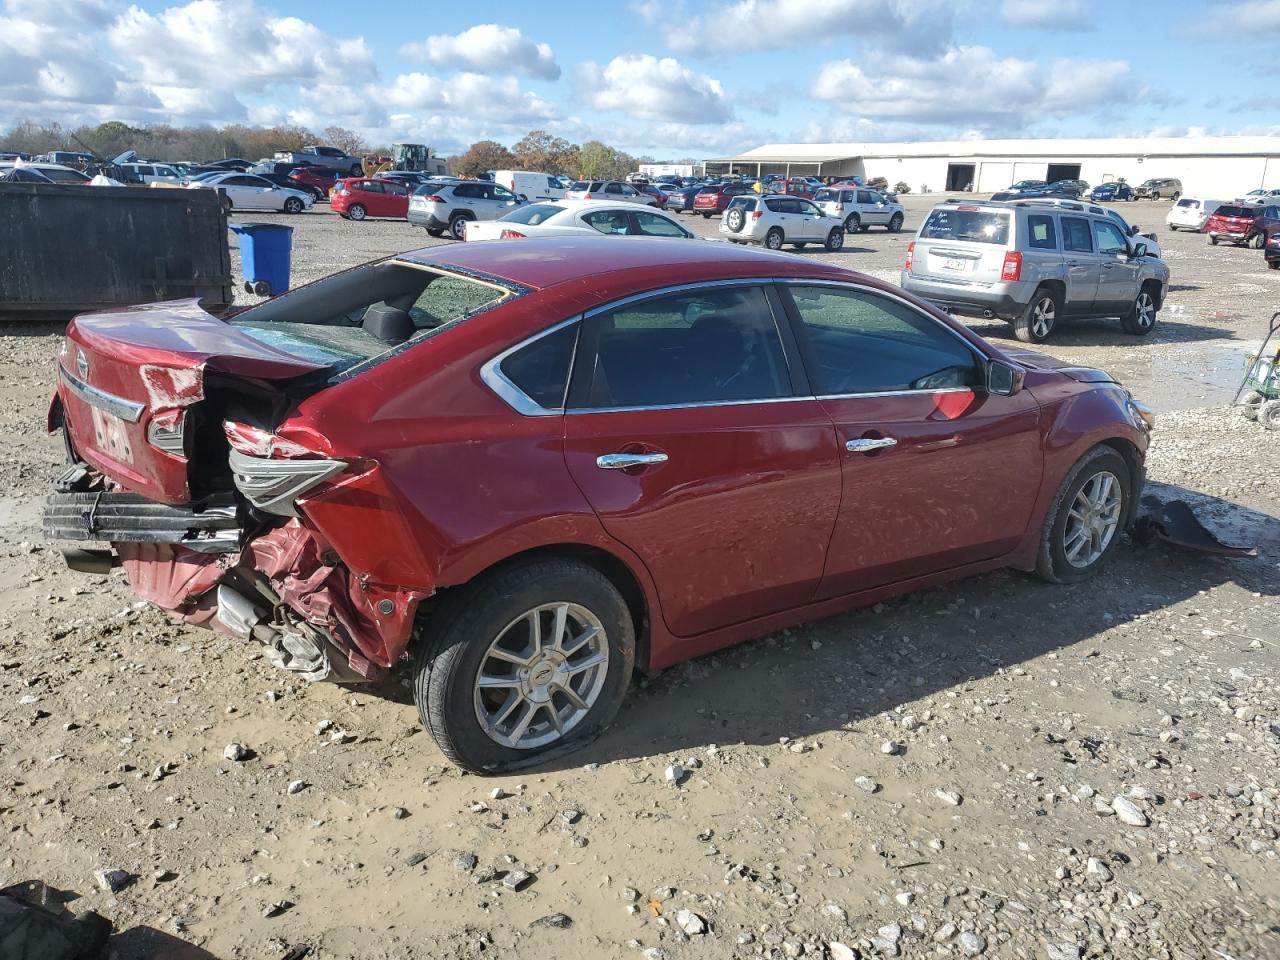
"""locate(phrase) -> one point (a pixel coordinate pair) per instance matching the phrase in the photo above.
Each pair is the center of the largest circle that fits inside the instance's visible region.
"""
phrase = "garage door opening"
(1063, 171)
(960, 176)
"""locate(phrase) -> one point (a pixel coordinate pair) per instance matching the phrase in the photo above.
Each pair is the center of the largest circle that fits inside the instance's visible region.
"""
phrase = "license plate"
(954, 263)
(110, 436)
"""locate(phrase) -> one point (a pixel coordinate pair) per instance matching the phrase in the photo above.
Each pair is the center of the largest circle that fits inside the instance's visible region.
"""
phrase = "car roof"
(618, 269)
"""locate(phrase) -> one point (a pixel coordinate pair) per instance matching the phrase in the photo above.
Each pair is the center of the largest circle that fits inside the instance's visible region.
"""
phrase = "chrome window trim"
(493, 377)
(127, 410)
(497, 381)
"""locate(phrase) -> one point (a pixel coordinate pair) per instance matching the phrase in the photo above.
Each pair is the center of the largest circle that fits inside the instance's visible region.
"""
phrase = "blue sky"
(666, 78)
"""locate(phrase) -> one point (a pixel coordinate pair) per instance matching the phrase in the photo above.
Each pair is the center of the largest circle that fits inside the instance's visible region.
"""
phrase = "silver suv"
(1034, 264)
(442, 207)
(861, 208)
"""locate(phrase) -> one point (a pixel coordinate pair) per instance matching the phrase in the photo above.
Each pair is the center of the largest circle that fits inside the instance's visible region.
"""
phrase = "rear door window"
(1075, 235)
(541, 369)
(713, 345)
(612, 222)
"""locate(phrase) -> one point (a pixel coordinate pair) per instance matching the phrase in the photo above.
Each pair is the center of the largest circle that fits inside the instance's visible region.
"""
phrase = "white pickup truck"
(321, 156)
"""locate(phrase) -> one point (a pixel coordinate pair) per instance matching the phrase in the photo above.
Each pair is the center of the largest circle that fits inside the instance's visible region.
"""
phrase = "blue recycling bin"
(266, 252)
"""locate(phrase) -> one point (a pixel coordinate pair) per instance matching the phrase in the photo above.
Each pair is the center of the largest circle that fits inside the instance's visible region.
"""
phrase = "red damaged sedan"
(535, 467)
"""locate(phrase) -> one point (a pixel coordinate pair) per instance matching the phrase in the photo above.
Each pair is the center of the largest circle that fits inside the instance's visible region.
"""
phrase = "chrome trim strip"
(127, 410)
(497, 381)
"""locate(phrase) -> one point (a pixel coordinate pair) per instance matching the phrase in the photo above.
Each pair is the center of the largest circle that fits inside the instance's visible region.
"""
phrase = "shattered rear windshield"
(359, 315)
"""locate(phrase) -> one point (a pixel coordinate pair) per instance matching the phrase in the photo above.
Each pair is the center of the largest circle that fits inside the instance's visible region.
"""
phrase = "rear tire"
(1175, 197)
(1140, 319)
(773, 239)
(1213, 241)
(1155, 196)
(800, 244)
(1257, 242)
(434, 232)
(1172, 228)
(852, 222)
(1269, 415)
(293, 205)
(464, 630)
(356, 212)
(1248, 405)
(1036, 323)
(1082, 510)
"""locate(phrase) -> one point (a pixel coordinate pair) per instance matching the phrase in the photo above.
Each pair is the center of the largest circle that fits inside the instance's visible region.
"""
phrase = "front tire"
(1035, 324)
(1155, 196)
(1084, 524)
(1213, 241)
(1141, 316)
(532, 661)
(773, 239)
(1257, 242)
(835, 240)
(1269, 415)
(458, 227)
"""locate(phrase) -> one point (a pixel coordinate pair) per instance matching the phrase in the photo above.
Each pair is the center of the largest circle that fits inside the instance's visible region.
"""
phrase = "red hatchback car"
(359, 198)
(1236, 223)
(533, 467)
(322, 178)
(715, 199)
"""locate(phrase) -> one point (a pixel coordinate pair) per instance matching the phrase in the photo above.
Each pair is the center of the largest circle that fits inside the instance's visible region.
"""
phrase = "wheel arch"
(614, 568)
(1137, 472)
(1057, 285)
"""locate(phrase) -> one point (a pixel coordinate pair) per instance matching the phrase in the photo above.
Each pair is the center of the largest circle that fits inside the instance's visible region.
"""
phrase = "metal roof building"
(1219, 167)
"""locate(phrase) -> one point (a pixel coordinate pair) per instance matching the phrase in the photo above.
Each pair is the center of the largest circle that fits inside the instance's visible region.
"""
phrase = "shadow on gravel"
(23, 324)
(1104, 333)
(924, 644)
(148, 943)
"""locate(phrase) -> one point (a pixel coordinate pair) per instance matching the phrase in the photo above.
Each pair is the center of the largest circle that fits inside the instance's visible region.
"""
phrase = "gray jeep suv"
(1034, 264)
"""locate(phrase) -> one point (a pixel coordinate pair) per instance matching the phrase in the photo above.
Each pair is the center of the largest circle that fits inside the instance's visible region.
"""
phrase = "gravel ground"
(995, 768)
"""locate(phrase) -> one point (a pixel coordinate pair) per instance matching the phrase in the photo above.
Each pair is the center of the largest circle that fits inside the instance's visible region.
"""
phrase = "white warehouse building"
(1217, 167)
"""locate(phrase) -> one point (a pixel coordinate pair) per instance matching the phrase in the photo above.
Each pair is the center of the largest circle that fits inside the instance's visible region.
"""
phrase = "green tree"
(599, 161)
(481, 156)
(539, 150)
(348, 141)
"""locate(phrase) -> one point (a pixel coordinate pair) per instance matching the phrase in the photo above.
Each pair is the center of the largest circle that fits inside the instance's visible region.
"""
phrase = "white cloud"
(734, 26)
(232, 45)
(1248, 18)
(487, 48)
(971, 87)
(468, 95)
(1051, 14)
(647, 88)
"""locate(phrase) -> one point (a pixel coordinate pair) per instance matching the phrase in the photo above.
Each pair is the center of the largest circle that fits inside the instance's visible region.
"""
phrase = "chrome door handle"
(620, 461)
(864, 446)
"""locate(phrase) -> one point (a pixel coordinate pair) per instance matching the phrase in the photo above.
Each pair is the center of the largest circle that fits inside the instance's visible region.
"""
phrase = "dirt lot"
(1022, 712)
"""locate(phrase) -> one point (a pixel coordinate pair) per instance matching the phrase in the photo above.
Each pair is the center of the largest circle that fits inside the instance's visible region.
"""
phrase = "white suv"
(861, 208)
(777, 219)
(607, 190)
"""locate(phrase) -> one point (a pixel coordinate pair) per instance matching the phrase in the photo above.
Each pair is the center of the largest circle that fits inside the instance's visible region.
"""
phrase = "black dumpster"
(81, 247)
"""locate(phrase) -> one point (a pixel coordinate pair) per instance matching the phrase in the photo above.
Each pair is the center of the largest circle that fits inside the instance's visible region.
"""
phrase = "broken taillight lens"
(272, 472)
(911, 250)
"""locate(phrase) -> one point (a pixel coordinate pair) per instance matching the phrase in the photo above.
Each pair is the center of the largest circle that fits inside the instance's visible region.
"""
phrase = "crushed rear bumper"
(210, 526)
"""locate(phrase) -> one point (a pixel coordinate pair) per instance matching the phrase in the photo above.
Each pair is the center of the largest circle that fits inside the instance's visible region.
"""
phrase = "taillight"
(587, 195)
(167, 432)
(1012, 269)
(756, 214)
(344, 192)
(435, 198)
(272, 472)
(511, 235)
(911, 249)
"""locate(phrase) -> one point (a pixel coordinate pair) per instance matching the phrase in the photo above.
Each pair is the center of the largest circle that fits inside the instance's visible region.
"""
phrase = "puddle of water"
(1187, 378)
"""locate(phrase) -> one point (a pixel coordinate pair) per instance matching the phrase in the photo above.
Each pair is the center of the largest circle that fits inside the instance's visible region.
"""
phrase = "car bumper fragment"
(104, 516)
(1174, 522)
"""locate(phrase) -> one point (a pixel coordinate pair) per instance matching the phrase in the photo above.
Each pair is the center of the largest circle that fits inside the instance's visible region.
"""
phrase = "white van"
(535, 186)
(1191, 213)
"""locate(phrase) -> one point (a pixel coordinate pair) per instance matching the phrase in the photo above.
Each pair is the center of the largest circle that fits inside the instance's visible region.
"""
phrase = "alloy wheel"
(1043, 316)
(1145, 311)
(541, 675)
(1092, 520)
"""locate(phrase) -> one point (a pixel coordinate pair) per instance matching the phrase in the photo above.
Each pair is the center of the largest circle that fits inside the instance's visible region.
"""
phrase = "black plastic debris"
(36, 925)
(1174, 522)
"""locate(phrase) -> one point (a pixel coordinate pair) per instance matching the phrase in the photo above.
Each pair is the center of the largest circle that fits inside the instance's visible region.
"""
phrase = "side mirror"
(1004, 379)
(1139, 251)
(523, 198)
(1133, 230)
